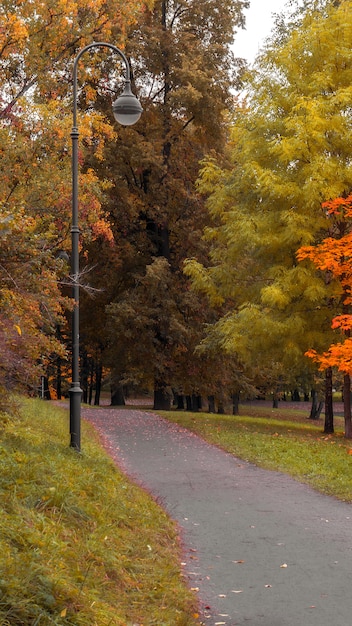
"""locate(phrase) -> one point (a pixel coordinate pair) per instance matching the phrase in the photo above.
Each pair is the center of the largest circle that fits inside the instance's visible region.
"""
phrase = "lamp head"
(127, 109)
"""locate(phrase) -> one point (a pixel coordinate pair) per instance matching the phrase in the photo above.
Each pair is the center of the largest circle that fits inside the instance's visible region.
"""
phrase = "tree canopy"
(290, 150)
(38, 41)
(183, 71)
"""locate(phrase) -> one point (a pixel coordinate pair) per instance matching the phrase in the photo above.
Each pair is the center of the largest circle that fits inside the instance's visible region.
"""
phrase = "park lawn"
(80, 544)
(280, 439)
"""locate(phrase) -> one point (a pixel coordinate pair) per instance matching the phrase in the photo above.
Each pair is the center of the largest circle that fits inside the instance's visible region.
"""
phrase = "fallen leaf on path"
(239, 562)
(222, 595)
(237, 591)
(284, 565)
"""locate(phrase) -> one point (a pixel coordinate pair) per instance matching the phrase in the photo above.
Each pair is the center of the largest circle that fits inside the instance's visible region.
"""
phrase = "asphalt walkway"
(261, 548)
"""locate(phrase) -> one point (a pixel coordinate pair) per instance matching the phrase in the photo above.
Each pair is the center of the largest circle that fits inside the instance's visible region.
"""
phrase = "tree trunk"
(91, 382)
(117, 396)
(329, 410)
(189, 403)
(180, 402)
(347, 405)
(275, 400)
(295, 396)
(221, 408)
(58, 368)
(45, 391)
(211, 404)
(84, 376)
(196, 403)
(235, 403)
(98, 378)
(162, 396)
(316, 407)
(58, 378)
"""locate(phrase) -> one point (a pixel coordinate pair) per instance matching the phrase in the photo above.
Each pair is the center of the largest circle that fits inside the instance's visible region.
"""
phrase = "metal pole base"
(75, 416)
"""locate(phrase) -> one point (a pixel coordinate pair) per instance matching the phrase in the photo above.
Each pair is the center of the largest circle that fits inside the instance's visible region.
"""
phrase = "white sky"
(259, 22)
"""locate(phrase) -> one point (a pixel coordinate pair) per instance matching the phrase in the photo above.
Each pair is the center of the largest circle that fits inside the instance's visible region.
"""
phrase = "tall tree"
(184, 71)
(38, 42)
(333, 256)
(290, 150)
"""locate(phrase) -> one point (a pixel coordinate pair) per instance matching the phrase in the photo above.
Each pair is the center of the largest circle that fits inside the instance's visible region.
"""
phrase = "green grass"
(283, 440)
(79, 543)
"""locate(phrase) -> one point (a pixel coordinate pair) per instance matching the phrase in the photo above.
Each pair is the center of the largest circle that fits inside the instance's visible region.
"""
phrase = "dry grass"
(80, 544)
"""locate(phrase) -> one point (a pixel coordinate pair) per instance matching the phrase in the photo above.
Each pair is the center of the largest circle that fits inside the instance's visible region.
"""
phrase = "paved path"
(263, 549)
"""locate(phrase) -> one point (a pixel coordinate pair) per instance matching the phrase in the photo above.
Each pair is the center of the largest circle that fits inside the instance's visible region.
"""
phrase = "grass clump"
(80, 544)
(290, 444)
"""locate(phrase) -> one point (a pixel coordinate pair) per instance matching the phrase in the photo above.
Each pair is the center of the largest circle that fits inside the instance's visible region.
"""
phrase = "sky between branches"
(259, 22)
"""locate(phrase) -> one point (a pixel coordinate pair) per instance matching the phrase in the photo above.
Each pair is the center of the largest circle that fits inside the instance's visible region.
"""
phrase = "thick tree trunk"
(329, 410)
(347, 405)
(117, 396)
(162, 396)
(275, 400)
(180, 402)
(189, 403)
(196, 403)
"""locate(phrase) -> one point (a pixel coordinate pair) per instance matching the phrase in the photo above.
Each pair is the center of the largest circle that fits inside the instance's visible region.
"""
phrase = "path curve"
(262, 549)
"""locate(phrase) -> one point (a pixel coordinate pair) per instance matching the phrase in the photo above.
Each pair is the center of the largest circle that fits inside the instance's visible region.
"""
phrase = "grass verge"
(80, 544)
(284, 441)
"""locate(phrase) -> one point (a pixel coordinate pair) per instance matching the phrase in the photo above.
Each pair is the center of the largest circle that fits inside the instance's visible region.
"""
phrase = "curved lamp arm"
(127, 108)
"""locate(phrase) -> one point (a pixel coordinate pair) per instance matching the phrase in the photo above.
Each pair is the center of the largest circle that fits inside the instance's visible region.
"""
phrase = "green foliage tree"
(184, 71)
(290, 149)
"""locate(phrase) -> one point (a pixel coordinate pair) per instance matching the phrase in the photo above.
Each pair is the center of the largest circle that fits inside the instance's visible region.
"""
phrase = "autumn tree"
(290, 150)
(183, 72)
(38, 42)
(333, 257)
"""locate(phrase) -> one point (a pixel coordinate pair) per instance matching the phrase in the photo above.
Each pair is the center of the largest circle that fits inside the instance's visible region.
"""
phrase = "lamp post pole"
(127, 111)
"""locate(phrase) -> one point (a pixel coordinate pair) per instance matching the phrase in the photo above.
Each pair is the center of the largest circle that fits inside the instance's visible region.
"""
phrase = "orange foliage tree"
(38, 42)
(334, 257)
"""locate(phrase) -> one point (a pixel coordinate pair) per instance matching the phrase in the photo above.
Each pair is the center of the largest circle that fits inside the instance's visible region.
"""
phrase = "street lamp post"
(127, 111)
